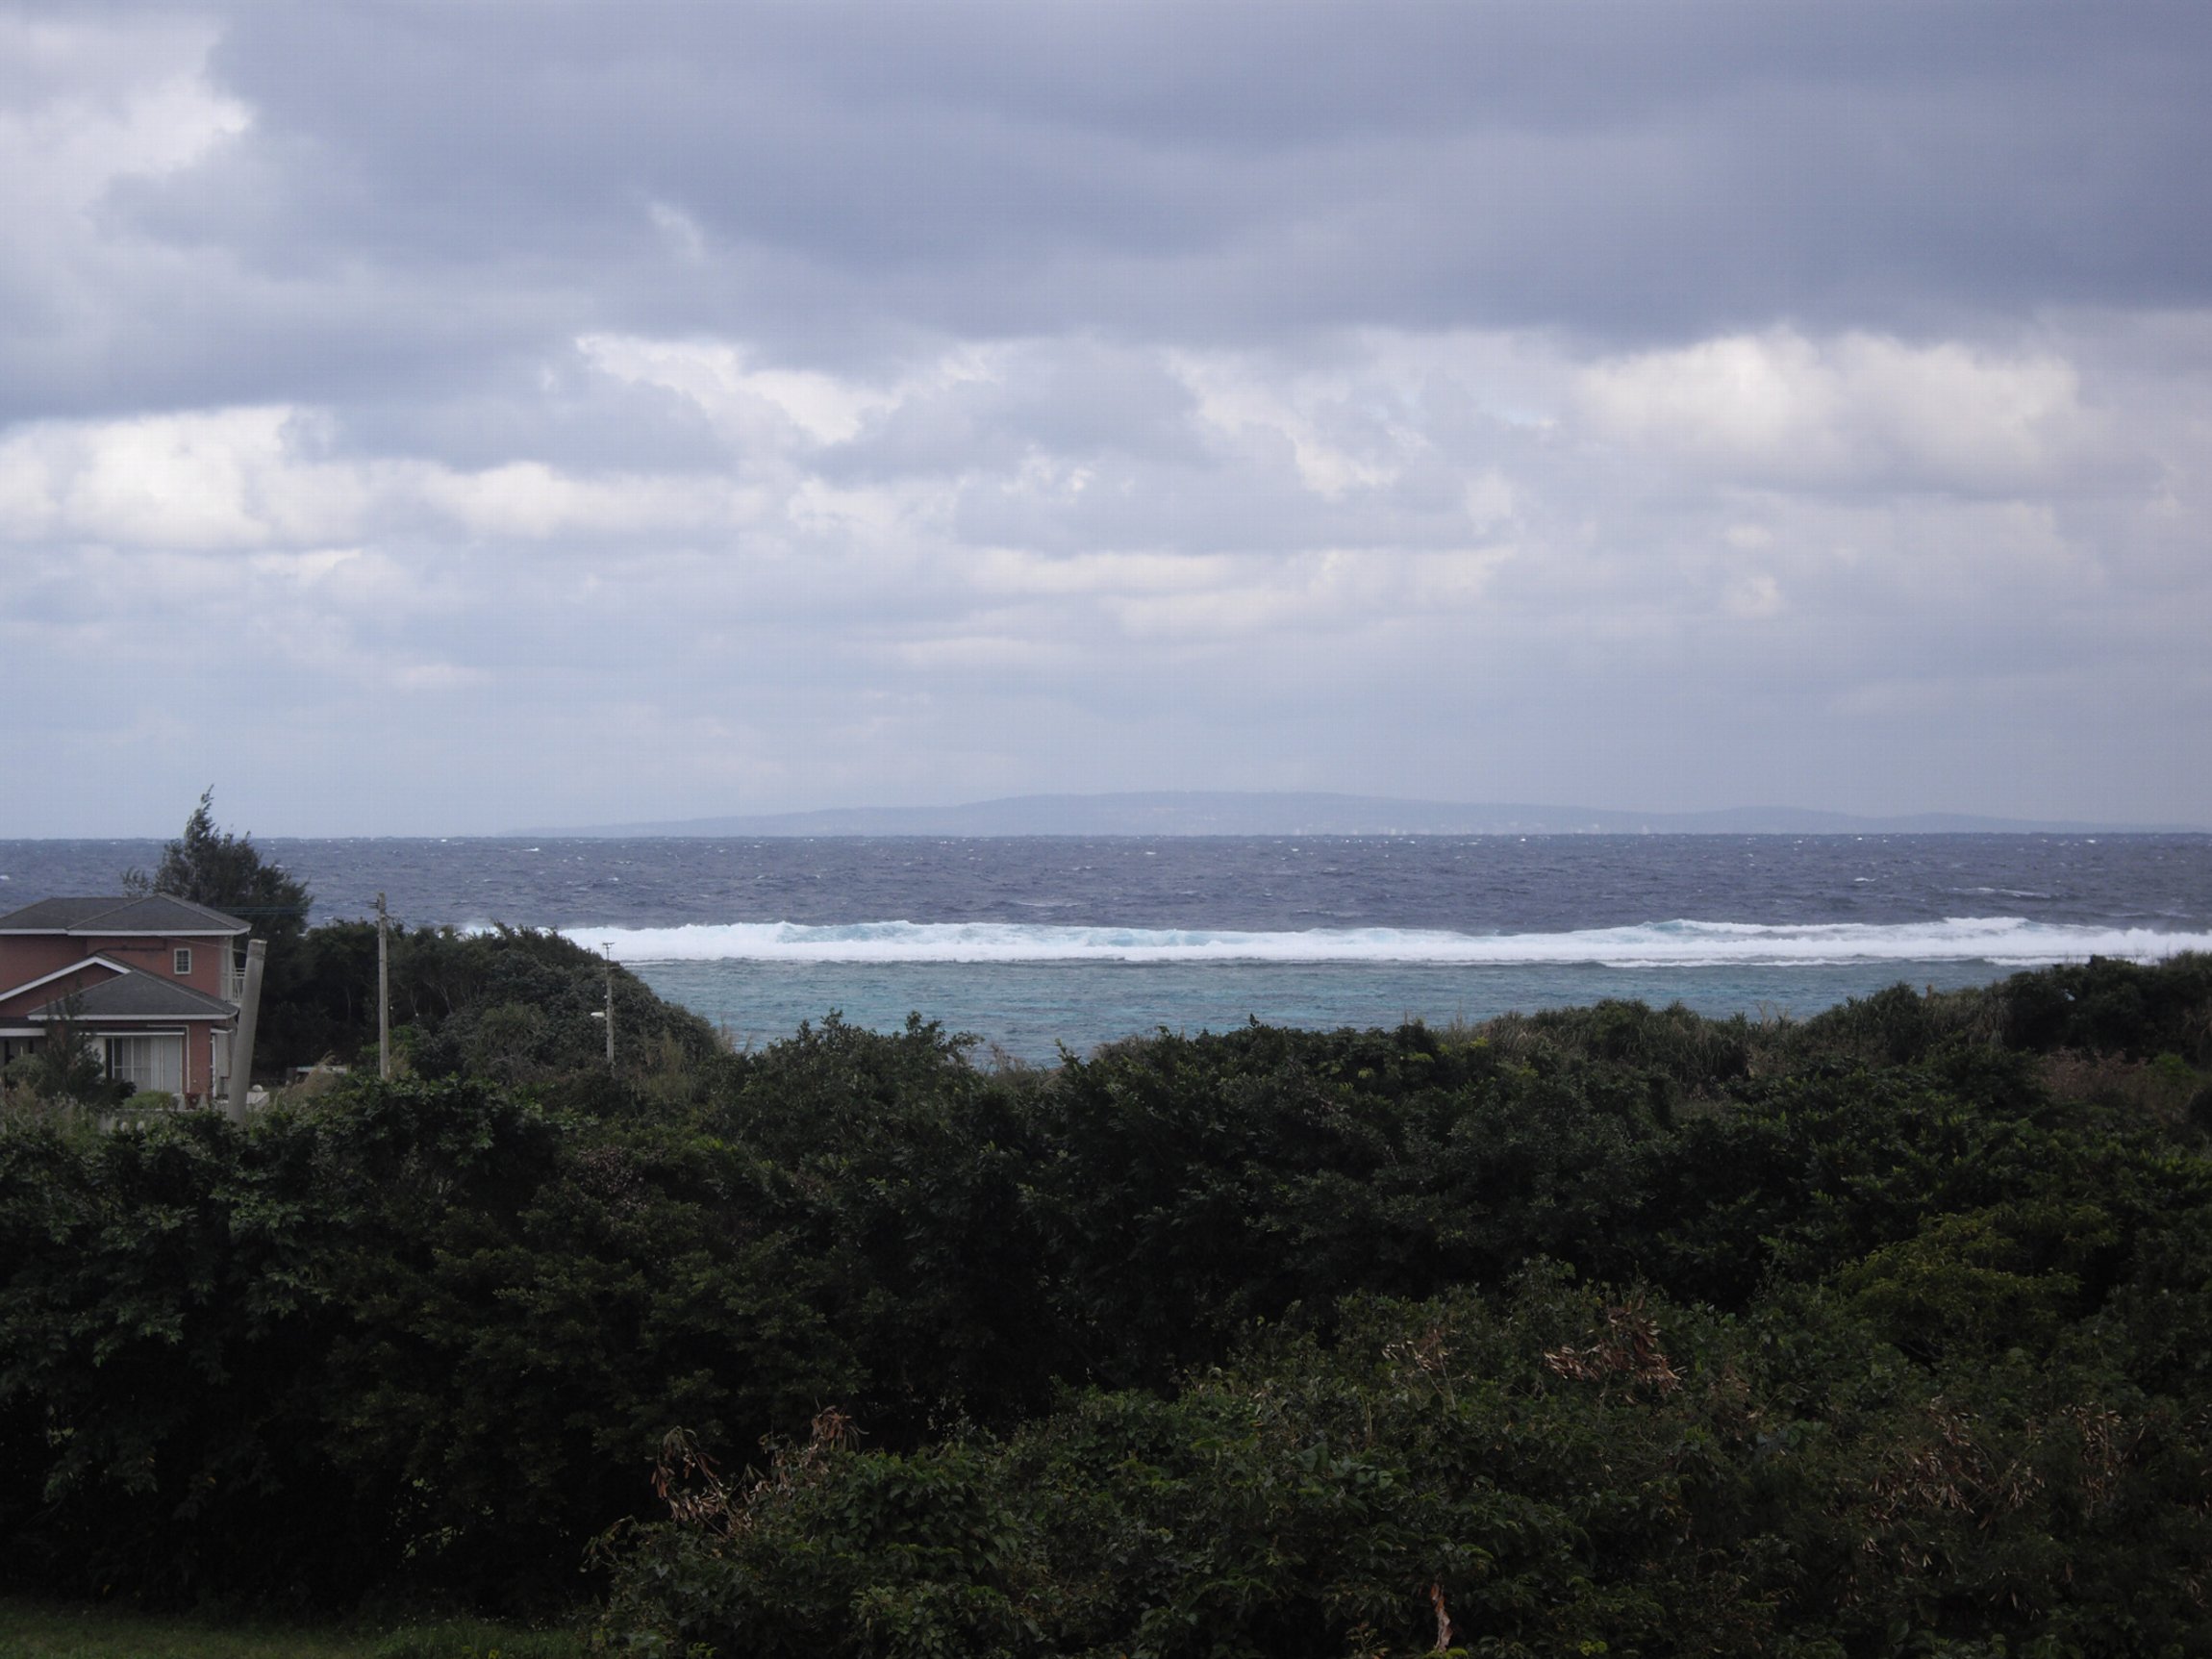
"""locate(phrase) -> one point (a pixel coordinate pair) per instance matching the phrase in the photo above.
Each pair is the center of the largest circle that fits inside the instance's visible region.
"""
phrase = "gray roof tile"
(135, 996)
(54, 915)
(156, 912)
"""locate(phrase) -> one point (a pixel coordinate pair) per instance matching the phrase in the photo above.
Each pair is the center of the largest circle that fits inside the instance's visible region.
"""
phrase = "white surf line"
(2000, 939)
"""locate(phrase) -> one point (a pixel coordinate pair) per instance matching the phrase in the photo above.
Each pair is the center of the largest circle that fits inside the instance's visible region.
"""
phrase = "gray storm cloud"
(580, 413)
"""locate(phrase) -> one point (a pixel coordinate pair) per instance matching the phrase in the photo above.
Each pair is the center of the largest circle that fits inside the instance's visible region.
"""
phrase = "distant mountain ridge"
(1228, 812)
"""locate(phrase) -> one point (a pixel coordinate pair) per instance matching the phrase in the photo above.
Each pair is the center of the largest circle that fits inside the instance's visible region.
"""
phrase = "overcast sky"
(442, 419)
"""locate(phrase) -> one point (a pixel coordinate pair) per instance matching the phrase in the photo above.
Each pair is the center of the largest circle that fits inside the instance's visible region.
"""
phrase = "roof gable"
(61, 972)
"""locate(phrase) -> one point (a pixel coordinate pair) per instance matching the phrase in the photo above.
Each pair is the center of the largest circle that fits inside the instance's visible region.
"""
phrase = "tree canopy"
(227, 872)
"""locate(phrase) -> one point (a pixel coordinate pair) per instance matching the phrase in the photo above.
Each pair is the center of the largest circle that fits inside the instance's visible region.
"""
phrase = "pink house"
(152, 982)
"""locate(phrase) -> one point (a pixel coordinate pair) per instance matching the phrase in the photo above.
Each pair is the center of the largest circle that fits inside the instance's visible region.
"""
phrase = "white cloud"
(439, 677)
(244, 479)
(127, 99)
(1368, 394)
(1129, 563)
(1016, 570)
(1754, 596)
(1306, 414)
(742, 401)
(1490, 499)
(528, 500)
(680, 231)
(1858, 410)
(981, 651)
(207, 479)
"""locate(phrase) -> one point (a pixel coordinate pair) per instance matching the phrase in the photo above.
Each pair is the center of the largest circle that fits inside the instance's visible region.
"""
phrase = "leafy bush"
(475, 1639)
(2113, 1007)
(1556, 1472)
(511, 1005)
(1251, 1338)
(424, 1332)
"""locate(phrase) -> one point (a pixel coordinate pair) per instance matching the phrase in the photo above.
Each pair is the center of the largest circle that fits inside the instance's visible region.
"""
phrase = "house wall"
(53, 990)
(157, 957)
(199, 1069)
(27, 956)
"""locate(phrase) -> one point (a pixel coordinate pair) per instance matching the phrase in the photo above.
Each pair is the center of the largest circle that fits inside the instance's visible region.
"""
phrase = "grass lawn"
(39, 1630)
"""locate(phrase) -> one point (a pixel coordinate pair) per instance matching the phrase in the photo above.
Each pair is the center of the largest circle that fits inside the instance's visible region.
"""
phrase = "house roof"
(65, 971)
(153, 914)
(54, 915)
(131, 996)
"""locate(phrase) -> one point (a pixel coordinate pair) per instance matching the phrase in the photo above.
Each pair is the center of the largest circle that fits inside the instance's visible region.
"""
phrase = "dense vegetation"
(31, 1628)
(510, 1005)
(1608, 1330)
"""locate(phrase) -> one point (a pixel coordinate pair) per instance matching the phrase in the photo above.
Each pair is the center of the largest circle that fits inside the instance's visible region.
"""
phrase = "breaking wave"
(2002, 940)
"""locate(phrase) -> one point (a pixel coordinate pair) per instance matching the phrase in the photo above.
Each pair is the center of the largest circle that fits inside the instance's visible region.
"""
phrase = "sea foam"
(2002, 940)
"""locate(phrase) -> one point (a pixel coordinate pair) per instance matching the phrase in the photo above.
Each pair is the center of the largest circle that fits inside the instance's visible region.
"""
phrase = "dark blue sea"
(1035, 943)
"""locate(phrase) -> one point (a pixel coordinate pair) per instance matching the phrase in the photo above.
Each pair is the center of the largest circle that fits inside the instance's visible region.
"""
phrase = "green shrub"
(1558, 1472)
(476, 1639)
(427, 1338)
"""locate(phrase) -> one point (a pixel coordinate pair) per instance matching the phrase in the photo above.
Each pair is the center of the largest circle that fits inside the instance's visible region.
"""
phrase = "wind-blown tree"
(227, 872)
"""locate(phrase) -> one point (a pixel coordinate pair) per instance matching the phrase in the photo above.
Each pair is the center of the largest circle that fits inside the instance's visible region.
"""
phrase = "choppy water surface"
(1034, 942)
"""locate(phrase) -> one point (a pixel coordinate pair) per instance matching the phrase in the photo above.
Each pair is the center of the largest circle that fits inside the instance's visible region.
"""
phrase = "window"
(184, 961)
(147, 1061)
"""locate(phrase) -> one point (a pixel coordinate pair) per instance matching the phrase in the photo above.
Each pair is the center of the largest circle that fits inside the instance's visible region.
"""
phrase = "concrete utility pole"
(383, 993)
(610, 950)
(249, 1017)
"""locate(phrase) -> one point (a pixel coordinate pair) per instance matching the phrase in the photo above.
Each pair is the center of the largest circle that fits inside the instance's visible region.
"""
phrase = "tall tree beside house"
(227, 872)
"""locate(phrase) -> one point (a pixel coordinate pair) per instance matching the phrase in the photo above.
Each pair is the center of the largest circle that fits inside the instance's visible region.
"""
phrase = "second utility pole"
(610, 949)
(383, 994)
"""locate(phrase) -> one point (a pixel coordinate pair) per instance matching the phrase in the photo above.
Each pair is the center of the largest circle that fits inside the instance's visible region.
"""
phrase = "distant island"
(1231, 813)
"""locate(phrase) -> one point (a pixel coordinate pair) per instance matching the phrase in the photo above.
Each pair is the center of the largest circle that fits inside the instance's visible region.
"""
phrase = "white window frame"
(181, 961)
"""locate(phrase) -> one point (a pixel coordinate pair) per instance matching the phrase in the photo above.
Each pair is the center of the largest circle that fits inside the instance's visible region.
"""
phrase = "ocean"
(1036, 944)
